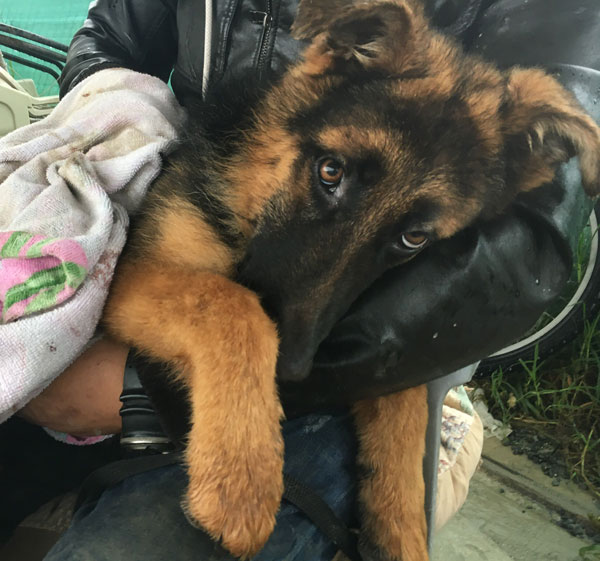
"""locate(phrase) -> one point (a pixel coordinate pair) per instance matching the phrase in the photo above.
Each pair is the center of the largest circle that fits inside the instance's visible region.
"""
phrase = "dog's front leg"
(391, 432)
(223, 347)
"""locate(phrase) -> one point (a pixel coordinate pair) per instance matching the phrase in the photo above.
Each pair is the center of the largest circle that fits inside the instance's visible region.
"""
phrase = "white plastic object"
(20, 103)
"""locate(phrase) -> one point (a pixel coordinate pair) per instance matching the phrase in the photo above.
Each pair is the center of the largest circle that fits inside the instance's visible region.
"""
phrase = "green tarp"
(55, 19)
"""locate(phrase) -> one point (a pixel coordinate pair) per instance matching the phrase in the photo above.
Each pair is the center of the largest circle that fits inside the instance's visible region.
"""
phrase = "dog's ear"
(544, 126)
(350, 35)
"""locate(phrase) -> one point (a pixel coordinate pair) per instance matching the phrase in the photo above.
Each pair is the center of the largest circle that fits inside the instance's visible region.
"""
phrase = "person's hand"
(84, 399)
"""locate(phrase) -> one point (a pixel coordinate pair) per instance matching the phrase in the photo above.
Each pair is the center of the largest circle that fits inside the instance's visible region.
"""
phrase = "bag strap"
(114, 473)
(321, 515)
(295, 492)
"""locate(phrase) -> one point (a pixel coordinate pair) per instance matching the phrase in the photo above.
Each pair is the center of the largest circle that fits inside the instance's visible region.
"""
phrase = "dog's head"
(384, 139)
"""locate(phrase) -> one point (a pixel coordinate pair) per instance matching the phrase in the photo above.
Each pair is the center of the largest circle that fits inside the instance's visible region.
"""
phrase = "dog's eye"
(413, 240)
(331, 173)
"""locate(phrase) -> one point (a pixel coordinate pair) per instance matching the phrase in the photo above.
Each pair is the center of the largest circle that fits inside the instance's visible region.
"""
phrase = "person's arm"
(466, 297)
(84, 399)
(137, 34)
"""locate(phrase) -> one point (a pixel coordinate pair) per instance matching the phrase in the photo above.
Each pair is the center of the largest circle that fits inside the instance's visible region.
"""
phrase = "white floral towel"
(67, 185)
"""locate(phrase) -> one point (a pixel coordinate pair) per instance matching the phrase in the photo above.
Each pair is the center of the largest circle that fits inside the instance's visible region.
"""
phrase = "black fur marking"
(439, 126)
(215, 130)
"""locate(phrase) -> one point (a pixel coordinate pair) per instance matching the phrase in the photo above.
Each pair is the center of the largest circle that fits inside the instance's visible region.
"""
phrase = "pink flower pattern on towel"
(37, 273)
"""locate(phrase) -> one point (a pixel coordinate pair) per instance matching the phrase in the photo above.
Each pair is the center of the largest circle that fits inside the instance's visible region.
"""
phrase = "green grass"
(559, 398)
(54, 19)
(590, 553)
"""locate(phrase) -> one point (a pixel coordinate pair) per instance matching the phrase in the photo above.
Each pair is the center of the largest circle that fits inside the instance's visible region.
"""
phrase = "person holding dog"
(389, 331)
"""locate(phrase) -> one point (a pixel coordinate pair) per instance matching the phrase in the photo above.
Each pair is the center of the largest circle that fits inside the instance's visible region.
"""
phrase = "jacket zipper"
(265, 39)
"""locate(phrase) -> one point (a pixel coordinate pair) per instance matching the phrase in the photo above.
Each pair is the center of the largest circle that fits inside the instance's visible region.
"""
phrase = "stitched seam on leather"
(260, 44)
(224, 32)
(275, 28)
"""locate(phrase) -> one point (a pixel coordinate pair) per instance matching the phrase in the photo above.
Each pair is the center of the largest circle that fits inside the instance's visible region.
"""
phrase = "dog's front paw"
(238, 505)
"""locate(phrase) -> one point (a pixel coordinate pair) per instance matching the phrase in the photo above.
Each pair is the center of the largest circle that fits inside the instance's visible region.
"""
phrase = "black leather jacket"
(462, 298)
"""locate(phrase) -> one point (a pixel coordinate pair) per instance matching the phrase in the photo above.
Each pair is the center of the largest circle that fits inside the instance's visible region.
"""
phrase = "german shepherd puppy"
(280, 208)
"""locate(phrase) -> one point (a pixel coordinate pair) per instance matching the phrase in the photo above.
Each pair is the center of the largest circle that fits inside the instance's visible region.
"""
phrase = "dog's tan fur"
(394, 491)
(175, 295)
(227, 362)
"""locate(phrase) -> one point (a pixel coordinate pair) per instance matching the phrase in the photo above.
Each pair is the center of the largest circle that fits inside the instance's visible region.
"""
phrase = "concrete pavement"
(511, 514)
